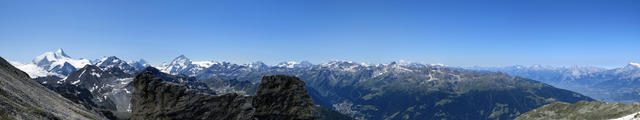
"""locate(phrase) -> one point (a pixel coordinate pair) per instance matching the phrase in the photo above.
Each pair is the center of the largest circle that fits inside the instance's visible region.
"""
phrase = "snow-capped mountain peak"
(178, 65)
(294, 64)
(289, 64)
(50, 56)
(50, 59)
(632, 64)
(109, 61)
(59, 62)
(115, 62)
(257, 65)
(181, 61)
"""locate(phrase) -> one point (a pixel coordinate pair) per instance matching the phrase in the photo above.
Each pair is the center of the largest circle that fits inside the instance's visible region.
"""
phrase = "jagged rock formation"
(23, 98)
(582, 110)
(155, 99)
(278, 97)
(281, 97)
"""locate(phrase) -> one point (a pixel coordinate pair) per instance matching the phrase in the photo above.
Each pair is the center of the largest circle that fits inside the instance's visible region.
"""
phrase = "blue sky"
(455, 32)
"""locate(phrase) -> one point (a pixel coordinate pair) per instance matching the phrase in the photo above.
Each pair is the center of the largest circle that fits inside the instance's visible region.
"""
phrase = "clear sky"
(454, 32)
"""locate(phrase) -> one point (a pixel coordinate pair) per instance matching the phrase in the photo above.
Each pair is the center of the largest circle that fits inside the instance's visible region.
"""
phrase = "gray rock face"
(23, 98)
(278, 97)
(282, 97)
(155, 99)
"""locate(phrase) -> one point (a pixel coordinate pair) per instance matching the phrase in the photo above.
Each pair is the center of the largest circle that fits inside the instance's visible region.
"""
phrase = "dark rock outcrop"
(189, 82)
(282, 97)
(279, 97)
(155, 99)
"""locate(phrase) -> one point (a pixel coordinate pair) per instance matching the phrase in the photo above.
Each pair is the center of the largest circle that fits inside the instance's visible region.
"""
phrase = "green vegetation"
(581, 111)
(4, 116)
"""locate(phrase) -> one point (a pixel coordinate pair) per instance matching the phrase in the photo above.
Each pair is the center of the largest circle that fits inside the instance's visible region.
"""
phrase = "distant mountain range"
(60, 64)
(398, 90)
(612, 85)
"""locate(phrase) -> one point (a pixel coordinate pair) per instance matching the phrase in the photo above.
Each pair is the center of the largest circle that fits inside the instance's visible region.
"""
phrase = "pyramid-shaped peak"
(181, 58)
(181, 61)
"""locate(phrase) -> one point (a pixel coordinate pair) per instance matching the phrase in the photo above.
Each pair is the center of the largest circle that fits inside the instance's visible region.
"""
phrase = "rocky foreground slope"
(278, 97)
(23, 98)
(582, 110)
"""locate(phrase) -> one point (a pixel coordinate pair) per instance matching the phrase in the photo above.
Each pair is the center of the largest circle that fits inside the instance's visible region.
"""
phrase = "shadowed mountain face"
(279, 97)
(23, 98)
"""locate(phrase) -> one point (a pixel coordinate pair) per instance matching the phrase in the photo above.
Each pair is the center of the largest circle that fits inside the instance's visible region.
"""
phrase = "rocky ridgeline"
(278, 97)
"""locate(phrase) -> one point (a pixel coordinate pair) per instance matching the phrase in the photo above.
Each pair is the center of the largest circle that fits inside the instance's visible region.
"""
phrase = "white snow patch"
(289, 64)
(205, 64)
(75, 82)
(93, 88)
(84, 70)
(95, 74)
(635, 64)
